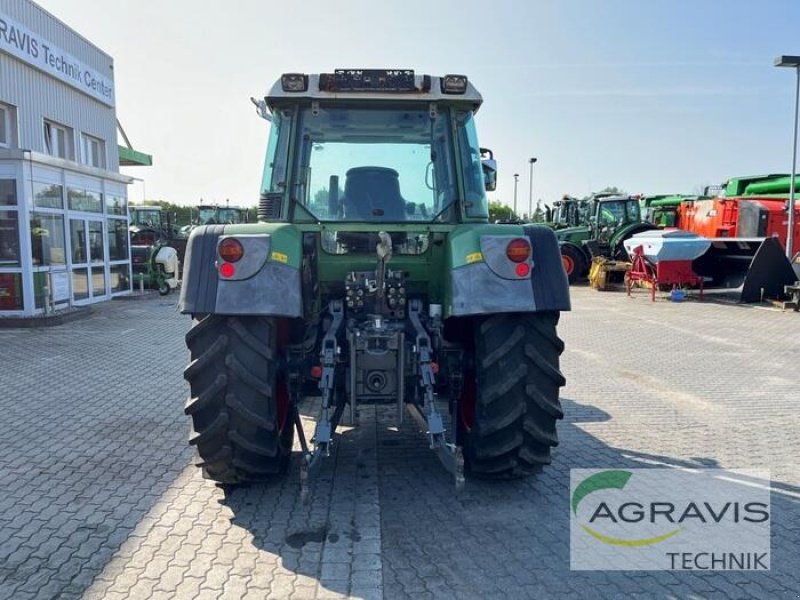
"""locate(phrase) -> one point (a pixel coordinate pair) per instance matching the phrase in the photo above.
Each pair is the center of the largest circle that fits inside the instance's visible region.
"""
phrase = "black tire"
(242, 421)
(517, 380)
(163, 288)
(574, 262)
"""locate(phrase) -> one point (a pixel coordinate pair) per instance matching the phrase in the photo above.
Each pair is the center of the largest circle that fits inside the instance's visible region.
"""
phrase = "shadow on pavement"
(506, 538)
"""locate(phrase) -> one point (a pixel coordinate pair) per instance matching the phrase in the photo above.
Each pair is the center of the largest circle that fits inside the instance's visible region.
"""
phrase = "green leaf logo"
(611, 480)
(599, 481)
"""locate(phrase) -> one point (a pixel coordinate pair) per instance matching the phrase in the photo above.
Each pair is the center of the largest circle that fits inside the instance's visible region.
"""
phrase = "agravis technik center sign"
(31, 48)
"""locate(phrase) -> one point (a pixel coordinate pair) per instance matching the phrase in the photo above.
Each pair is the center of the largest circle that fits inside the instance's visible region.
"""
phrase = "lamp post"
(516, 181)
(530, 196)
(793, 62)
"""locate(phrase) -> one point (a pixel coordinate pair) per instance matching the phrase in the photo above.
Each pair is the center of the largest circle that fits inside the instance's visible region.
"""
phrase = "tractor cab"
(372, 148)
(221, 215)
(147, 226)
(568, 212)
(146, 217)
(609, 214)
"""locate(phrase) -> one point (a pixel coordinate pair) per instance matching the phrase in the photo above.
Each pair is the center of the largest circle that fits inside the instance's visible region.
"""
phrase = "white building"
(63, 201)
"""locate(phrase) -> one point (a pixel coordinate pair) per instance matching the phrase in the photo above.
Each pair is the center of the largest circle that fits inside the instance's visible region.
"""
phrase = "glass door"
(88, 260)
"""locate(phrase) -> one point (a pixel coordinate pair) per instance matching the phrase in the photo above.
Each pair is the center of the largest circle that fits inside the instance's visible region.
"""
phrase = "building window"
(80, 284)
(7, 126)
(85, 200)
(59, 140)
(9, 239)
(47, 240)
(120, 278)
(118, 239)
(11, 291)
(48, 195)
(116, 205)
(98, 282)
(8, 192)
(94, 151)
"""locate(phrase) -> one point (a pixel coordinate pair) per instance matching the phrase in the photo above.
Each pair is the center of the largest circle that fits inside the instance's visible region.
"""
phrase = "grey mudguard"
(477, 289)
(273, 291)
(548, 278)
(199, 288)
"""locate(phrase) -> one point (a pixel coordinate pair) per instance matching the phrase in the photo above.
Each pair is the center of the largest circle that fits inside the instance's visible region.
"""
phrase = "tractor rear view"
(373, 276)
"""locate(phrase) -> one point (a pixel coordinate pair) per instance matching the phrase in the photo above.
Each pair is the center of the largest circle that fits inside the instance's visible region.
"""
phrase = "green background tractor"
(154, 256)
(374, 276)
(608, 221)
(567, 212)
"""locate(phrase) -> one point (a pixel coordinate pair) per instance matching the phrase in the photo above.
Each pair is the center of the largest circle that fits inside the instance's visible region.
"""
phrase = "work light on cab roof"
(373, 80)
(294, 82)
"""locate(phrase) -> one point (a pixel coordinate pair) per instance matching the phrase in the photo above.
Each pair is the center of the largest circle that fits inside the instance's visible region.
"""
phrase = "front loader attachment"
(756, 268)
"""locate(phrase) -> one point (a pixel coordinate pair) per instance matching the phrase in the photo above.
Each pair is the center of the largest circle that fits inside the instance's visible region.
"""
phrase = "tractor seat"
(373, 194)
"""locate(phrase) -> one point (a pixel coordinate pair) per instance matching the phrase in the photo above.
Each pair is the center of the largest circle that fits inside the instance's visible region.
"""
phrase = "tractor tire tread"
(217, 427)
(237, 406)
(234, 418)
(195, 403)
(202, 362)
(517, 405)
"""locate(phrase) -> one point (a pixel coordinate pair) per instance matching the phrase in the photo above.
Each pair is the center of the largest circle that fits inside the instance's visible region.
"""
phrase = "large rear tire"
(242, 421)
(515, 395)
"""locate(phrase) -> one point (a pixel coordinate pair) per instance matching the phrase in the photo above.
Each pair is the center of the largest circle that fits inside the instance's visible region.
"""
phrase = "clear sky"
(650, 96)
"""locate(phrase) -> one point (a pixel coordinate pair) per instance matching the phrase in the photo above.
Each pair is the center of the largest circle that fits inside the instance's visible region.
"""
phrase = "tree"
(612, 189)
(321, 197)
(500, 212)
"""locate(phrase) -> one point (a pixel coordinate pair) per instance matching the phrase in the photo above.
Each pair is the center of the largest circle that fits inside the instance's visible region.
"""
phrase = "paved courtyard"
(99, 497)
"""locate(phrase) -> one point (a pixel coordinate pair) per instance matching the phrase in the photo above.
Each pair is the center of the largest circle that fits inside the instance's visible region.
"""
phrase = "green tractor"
(373, 276)
(211, 214)
(155, 260)
(663, 210)
(608, 221)
(567, 212)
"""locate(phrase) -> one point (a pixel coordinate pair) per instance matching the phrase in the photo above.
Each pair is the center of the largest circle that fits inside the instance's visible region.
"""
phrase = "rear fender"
(484, 281)
(266, 281)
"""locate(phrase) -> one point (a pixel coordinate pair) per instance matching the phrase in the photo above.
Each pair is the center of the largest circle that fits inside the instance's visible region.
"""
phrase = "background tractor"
(567, 212)
(156, 249)
(374, 276)
(607, 222)
(211, 214)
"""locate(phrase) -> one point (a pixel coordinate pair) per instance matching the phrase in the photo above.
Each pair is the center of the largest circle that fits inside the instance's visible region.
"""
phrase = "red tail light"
(231, 250)
(227, 270)
(518, 250)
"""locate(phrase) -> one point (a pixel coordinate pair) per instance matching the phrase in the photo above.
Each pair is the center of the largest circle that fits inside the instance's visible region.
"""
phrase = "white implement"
(667, 244)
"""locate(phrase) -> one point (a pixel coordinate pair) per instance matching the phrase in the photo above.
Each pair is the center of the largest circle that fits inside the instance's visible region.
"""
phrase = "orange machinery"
(750, 212)
(752, 207)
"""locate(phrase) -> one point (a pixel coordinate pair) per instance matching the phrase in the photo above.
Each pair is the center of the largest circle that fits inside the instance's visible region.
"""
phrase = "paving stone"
(103, 500)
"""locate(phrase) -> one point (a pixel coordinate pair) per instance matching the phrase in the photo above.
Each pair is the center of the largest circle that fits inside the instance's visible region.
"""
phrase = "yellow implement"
(600, 270)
